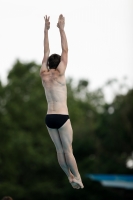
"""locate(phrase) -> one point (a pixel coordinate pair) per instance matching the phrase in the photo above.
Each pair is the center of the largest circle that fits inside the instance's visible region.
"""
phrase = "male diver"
(57, 119)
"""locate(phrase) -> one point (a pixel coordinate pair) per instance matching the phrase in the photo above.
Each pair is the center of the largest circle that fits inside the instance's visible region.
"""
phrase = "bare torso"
(56, 92)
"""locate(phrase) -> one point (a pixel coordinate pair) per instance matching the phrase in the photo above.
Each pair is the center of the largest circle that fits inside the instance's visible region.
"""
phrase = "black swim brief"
(55, 121)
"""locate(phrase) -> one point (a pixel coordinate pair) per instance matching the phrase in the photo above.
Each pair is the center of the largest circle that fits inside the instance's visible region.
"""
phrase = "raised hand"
(47, 22)
(61, 22)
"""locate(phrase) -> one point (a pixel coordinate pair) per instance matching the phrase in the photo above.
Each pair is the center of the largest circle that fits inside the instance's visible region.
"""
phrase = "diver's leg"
(66, 136)
(60, 154)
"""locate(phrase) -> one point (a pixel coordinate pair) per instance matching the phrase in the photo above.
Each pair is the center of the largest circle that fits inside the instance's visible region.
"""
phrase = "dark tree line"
(103, 138)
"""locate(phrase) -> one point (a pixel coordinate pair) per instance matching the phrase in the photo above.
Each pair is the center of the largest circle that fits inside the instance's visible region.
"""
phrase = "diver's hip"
(57, 109)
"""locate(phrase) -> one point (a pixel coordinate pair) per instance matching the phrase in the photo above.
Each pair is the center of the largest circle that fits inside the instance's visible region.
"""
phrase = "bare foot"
(75, 185)
(76, 182)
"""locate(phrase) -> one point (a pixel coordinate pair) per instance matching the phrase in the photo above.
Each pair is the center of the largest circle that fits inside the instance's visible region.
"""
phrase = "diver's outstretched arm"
(46, 39)
(61, 25)
(64, 44)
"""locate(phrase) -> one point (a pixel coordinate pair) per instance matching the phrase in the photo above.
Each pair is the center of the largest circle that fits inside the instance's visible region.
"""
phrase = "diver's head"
(53, 61)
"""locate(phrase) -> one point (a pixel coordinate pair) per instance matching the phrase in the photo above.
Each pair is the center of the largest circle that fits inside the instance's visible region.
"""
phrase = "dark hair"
(53, 61)
(7, 198)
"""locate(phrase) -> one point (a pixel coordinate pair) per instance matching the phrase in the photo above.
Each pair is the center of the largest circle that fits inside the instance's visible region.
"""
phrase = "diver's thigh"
(55, 138)
(66, 135)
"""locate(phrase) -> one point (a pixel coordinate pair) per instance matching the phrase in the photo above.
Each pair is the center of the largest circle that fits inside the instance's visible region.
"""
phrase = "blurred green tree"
(103, 138)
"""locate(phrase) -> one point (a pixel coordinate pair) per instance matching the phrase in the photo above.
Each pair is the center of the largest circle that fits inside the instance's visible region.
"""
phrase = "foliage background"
(103, 139)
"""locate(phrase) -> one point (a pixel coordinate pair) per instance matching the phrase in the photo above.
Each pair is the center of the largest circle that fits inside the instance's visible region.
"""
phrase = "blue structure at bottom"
(108, 180)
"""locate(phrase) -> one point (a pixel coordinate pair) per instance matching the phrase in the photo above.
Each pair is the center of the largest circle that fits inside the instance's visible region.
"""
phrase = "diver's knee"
(59, 151)
(68, 150)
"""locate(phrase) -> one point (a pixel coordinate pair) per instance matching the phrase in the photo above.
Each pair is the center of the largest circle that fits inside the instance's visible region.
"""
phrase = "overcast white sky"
(99, 32)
